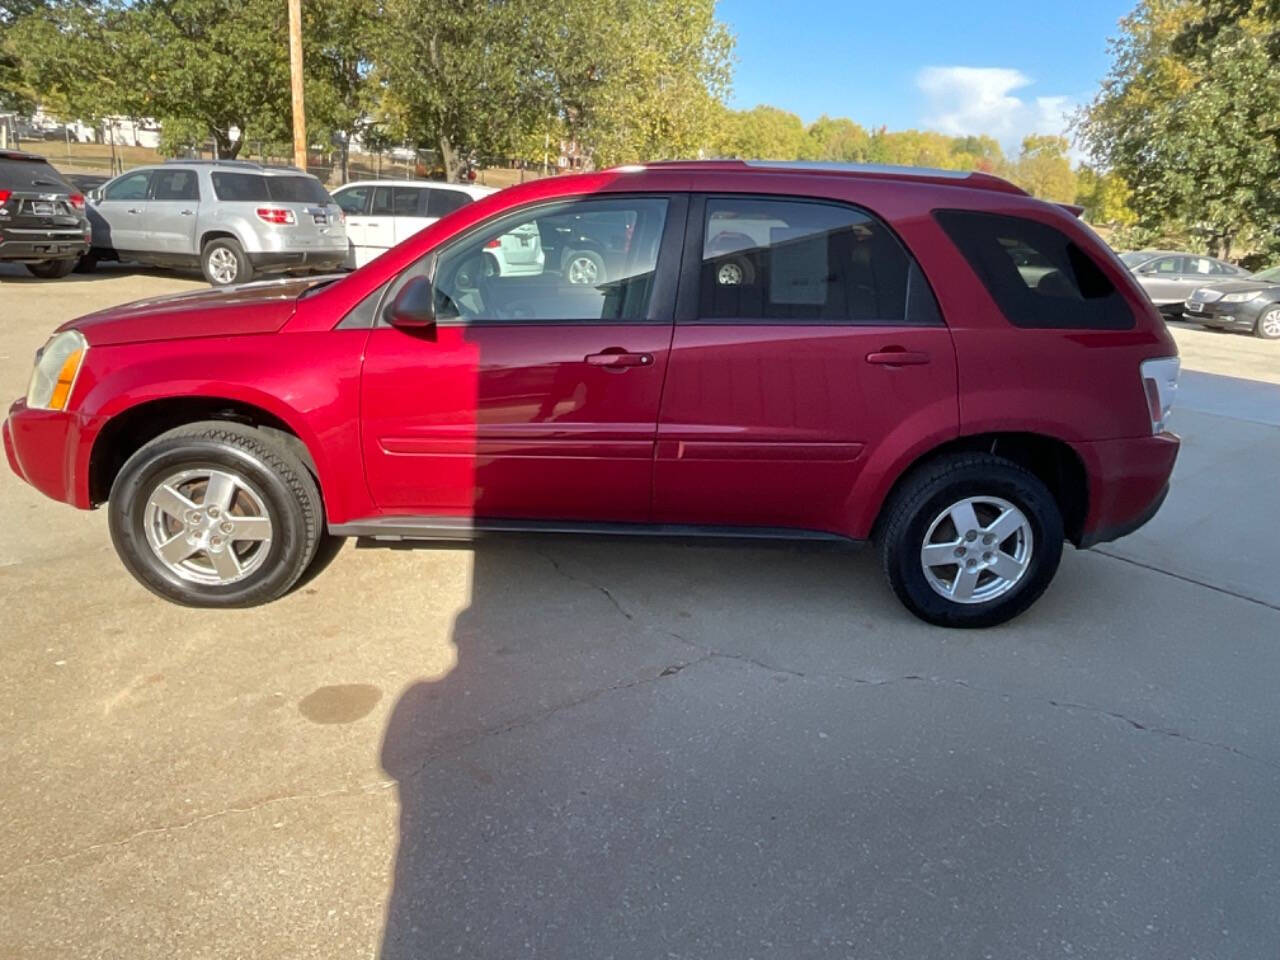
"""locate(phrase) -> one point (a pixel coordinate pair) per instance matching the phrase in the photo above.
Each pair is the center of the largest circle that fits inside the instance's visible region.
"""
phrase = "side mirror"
(414, 307)
(94, 195)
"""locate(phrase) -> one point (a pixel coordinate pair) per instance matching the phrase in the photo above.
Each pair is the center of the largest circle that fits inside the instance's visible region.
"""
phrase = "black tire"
(1269, 317)
(87, 263)
(926, 494)
(574, 257)
(269, 469)
(51, 269)
(229, 252)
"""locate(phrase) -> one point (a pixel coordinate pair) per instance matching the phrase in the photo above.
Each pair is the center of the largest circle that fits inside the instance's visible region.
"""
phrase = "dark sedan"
(1249, 305)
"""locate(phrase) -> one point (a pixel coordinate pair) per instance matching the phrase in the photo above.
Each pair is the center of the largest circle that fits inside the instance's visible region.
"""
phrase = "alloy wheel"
(977, 549)
(223, 265)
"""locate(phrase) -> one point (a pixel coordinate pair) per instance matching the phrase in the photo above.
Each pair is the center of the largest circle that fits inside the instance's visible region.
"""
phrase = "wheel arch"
(129, 429)
(1051, 459)
(218, 233)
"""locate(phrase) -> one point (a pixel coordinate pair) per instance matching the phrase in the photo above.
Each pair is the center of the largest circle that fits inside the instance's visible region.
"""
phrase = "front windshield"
(1133, 259)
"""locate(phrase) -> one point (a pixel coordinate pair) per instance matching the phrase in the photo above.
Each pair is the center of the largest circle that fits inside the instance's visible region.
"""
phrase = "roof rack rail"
(966, 178)
(215, 162)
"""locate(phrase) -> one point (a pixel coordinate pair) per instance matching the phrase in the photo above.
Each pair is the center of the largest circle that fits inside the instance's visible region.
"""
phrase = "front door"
(534, 397)
(805, 336)
(173, 210)
(119, 218)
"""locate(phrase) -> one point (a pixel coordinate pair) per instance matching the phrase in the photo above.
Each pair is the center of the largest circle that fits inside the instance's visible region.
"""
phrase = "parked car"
(382, 213)
(1249, 305)
(42, 221)
(1169, 277)
(892, 362)
(231, 218)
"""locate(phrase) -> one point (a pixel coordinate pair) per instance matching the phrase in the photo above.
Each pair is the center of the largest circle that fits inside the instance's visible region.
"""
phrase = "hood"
(232, 311)
(1222, 287)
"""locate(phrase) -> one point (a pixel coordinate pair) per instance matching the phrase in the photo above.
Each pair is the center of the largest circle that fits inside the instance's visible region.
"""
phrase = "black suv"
(42, 217)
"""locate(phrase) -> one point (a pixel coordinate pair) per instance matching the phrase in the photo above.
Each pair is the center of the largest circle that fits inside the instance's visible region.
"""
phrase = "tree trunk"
(452, 162)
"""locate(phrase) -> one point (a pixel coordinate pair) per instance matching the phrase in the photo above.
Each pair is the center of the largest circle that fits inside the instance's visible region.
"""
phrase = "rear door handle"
(898, 358)
(616, 358)
(187, 213)
(134, 211)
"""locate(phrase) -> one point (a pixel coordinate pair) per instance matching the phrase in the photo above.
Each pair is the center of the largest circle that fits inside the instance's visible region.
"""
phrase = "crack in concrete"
(1185, 579)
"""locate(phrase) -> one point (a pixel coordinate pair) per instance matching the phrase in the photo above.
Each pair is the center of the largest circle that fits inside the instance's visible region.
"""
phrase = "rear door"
(119, 218)
(1164, 279)
(411, 205)
(380, 224)
(805, 336)
(172, 211)
(354, 202)
(533, 398)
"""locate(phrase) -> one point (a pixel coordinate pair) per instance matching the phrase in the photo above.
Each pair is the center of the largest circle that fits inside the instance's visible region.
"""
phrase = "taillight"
(277, 215)
(1160, 383)
(77, 200)
(4, 196)
(493, 244)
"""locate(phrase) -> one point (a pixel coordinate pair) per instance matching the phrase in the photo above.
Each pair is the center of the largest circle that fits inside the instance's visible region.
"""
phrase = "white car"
(382, 213)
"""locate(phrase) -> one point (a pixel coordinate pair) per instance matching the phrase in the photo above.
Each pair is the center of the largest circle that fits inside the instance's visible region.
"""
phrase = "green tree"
(1043, 168)
(838, 140)
(1188, 116)
(1105, 198)
(764, 133)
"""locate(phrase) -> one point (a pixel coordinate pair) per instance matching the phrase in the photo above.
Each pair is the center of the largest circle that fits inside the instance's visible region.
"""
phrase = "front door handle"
(897, 357)
(187, 213)
(134, 211)
(616, 358)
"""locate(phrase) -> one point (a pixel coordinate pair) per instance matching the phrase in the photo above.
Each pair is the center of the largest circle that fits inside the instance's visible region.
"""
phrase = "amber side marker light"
(57, 366)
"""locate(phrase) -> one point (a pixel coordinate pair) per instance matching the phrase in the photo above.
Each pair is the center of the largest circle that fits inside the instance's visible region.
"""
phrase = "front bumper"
(48, 449)
(1226, 316)
(1129, 480)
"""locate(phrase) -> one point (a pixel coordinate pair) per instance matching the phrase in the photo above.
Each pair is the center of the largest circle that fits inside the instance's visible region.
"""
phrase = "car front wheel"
(215, 514)
(970, 540)
(1268, 327)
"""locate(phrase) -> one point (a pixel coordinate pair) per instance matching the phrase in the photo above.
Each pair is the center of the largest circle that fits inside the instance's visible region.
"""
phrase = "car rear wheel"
(970, 540)
(215, 514)
(51, 269)
(1268, 327)
(224, 263)
(87, 263)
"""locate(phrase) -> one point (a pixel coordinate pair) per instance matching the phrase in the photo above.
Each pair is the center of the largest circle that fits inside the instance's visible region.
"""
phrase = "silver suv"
(233, 218)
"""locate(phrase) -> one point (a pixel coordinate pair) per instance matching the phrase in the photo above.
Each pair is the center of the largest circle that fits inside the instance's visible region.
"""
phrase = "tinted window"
(1035, 273)
(240, 187)
(793, 260)
(175, 185)
(297, 189)
(130, 187)
(406, 201)
(31, 175)
(441, 203)
(382, 206)
(577, 260)
(353, 199)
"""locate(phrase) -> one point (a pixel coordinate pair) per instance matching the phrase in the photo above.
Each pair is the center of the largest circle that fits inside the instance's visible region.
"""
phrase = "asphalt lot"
(587, 748)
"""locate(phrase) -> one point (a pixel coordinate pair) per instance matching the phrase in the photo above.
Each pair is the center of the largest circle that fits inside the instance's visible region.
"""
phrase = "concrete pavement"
(589, 748)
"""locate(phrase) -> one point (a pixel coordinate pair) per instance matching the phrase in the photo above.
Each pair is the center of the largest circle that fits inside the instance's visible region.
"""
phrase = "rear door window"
(382, 203)
(441, 202)
(769, 260)
(406, 201)
(1035, 273)
(175, 185)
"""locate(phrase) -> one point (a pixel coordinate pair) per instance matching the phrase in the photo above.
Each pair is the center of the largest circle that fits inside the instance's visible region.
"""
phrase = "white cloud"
(975, 100)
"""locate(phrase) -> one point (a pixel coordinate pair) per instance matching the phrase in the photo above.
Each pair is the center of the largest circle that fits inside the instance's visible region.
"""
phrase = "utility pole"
(295, 74)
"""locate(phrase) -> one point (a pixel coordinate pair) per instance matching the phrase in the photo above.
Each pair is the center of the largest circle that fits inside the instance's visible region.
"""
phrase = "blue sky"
(983, 66)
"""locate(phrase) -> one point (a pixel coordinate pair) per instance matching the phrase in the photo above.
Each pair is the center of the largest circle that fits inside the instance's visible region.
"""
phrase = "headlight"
(1241, 297)
(57, 366)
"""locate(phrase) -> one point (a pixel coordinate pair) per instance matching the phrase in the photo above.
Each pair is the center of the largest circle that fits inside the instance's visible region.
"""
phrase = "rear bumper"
(274, 261)
(45, 448)
(33, 246)
(1129, 481)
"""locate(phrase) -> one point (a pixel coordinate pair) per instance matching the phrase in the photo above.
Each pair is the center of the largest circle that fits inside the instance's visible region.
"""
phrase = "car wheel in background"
(584, 267)
(224, 263)
(87, 263)
(51, 269)
(1268, 326)
(215, 514)
(970, 540)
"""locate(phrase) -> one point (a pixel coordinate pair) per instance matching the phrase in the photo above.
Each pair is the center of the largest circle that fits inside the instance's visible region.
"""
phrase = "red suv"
(934, 361)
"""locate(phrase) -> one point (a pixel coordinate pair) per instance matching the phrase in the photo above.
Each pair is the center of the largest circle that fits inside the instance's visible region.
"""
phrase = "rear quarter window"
(240, 187)
(1037, 275)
